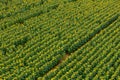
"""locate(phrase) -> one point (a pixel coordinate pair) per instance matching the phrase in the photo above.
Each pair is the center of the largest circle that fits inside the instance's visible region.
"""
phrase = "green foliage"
(0, 44)
(21, 41)
(3, 50)
(71, 0)
(59, 39)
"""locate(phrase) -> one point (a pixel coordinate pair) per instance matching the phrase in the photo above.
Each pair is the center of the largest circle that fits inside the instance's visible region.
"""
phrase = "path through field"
(59, 39)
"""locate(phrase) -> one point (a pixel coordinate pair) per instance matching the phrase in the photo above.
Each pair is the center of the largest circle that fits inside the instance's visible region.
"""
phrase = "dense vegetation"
(59, 39)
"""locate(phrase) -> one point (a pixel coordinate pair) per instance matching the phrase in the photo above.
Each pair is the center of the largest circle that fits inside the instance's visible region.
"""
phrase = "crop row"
(25, 33)
(50, 42)
(18, 7)
(93, 60)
